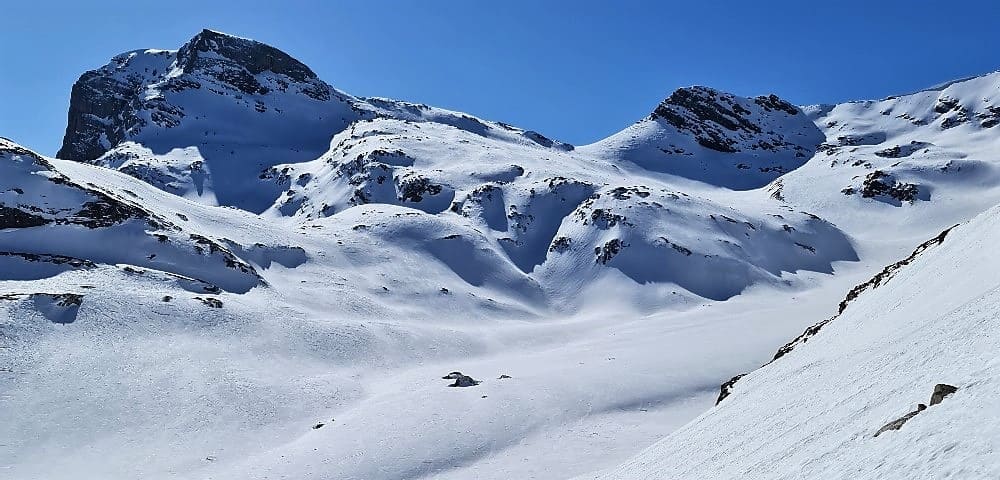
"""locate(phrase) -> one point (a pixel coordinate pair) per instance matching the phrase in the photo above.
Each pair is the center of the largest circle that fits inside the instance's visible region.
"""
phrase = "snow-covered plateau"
(232, 270)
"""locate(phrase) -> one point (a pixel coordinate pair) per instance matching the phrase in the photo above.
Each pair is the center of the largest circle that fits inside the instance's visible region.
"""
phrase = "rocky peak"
(215, 86)
(212, 51)
(719, 120)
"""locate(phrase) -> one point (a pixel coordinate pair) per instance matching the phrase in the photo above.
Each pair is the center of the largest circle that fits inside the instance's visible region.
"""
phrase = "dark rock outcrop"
(461, 380)
(116, 102)
(718, 121)
(691, 110)
(941, 391)
(898, 423)
(227, 54)
(881, 184)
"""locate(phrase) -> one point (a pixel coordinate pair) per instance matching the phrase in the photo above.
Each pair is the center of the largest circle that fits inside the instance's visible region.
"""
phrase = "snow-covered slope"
(814, 412)
(907, 164)
(53, 223)
(250, 274)
(902, 151)
(556, 215)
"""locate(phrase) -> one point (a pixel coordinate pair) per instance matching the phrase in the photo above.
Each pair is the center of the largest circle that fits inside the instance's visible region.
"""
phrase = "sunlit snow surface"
(615, 284)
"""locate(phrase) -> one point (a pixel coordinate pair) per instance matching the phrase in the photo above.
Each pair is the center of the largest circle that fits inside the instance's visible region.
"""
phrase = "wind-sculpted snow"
(662, 236)
(906, 150)
(49, 217)
(525, 196)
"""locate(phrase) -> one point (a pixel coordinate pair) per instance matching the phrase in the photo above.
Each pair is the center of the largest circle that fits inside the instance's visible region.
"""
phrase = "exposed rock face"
(100, 114)
(881, 184)
(727, 388)
(461, 380)
(941, 391)
(146, 89)
(226, 57)
(719, 122)
(717, 138)
(898, 423)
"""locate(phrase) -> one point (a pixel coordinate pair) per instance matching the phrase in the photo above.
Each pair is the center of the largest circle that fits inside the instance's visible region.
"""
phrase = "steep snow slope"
(813, 413)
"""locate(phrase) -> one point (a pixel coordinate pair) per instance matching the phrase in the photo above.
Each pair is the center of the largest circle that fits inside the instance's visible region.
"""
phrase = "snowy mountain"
(717, 138)
(235, 270)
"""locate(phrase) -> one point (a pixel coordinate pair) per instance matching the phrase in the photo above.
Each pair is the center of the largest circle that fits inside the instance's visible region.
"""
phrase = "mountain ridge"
(256, 279)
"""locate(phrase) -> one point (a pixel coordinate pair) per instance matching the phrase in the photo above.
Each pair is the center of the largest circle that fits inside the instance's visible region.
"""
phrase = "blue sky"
(575, 70)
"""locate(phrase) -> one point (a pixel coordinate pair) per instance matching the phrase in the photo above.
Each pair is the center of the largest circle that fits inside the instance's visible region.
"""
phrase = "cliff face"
(144, 95)
(103, 108)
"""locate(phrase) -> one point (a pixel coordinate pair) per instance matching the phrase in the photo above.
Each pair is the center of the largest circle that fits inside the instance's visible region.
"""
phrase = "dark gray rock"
(465, 381)
(608, 251)
(881, 184)
(231, 58)
(727, 388)
(461, 380)
(941, 391)
(898, 423)
(717, 120)
(16, 218)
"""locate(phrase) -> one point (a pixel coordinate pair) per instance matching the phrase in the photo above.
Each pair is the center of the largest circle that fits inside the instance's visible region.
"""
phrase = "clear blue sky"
(575, 70)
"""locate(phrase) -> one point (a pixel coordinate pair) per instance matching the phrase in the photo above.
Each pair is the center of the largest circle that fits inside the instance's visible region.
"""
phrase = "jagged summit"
(210, 48)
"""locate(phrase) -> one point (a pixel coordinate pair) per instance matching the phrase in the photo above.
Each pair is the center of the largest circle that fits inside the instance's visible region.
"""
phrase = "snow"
(328, 261)
(813, 413)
